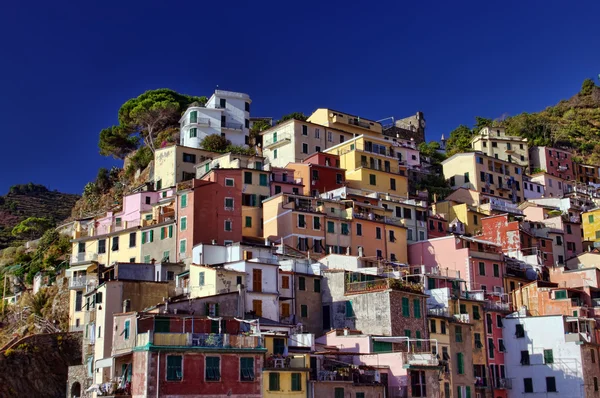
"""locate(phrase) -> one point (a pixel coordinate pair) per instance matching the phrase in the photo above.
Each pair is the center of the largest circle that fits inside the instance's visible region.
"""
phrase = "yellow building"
(590, 223)
(372, 164)
(494, 142)
(468, 215)
(209, 281)
(176, 163)
(344, 121)
(285, 373)
(485, 174)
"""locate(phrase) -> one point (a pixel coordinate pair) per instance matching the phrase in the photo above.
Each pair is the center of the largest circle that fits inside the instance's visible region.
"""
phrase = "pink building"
(479, 262)
(399, 366)
(495, 349)
(133, 206)
(556, 162)
(283, 181)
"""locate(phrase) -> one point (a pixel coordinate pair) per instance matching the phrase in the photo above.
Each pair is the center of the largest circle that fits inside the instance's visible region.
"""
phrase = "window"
(317, 285)
(285, 282)
(360, 395)
(475, 219)
(301, 221)
(330, 227)
(228, 203)
(274, 381)
(477, 338)
(595, 384)
(304, 129)
(476, 314)
(392, 184)
(263, 180)
(499, 320)
(443, 327)
(418, 385)
(417, 308)
(174, 368)
(501, 346)
(78, 300)
(304, 148)
(182, 226)
(304, 311)
(405, 307)
(257, 307)
(115, 244)
(548, 357)
(525, 358)
(296, 381)
(338, 392)
(466, 175)
(229, 182)
(550, 384)
(458, 334)
(481, 268)
(591, 218)
(345, 229)
(275, 154)
(222, 103)
(188, 157)
(491, 348)
(519, 331)
(228, 225)
(359, 229)
(593, 354)
(496, 270)
(349, 309)
(182, 246)
(372, 179)
(461, 363)
(560, 294)
(378, 233)
(193, 134)
(132, 239)
(248, 222)
(184, 201)
(317, 133)
(302, 283)
(432, 326)
(285, 310)
(126, 329)
(102, 246)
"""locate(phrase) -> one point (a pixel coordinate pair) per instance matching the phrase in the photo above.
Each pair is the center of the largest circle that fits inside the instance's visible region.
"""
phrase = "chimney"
(126, 305)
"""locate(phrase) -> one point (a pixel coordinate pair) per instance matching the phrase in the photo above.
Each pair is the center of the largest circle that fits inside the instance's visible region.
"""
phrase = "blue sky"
(66, 67)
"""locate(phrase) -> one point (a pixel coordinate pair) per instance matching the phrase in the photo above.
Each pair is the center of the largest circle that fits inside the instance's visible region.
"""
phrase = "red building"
(209, 210)
(320, 173)
(437, 226)
(283, 181)
(517, 239)
(556, 162)
(189, 356)
(494, 315)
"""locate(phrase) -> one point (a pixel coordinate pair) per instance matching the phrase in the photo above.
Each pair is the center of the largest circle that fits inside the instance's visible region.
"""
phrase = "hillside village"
(320, 263)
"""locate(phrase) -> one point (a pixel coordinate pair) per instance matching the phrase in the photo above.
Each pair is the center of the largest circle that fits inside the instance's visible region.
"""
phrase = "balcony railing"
(463, 318)
(201, 121)
(232, 126)
(420, 359)
(83, 257)
(77, 282)
(204, 340)
(383, 284)
(286, 362)
(276, 141)
(502, 383)
(444, 311)
(496, 305)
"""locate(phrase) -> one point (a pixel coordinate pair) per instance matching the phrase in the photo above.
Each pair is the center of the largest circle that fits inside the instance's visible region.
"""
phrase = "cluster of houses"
(315, 268)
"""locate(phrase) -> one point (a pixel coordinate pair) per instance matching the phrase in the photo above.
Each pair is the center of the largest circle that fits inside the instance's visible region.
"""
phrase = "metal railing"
(83, 257)
(420, 359)
(201, 121)
(233, 126)
(207, 340)
(496, 305)
(502, 383)
(281, 138)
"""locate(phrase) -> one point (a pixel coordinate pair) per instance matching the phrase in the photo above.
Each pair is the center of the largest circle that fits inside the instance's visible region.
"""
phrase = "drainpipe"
(158, 375)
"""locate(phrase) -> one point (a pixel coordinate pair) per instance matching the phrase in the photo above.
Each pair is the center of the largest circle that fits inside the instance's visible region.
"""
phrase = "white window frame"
(225, 203)
(185, 244)
(181, 223)
(230, 225)
(232, 182)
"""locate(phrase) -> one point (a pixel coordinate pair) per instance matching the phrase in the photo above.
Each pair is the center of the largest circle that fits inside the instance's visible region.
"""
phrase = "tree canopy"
(32, 227)
(294, 115)
(142, 119)
(459, 140)
(215, 143)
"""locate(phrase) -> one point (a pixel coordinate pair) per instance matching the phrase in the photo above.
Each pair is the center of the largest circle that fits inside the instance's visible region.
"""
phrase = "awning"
(76, 268)
(104, 363)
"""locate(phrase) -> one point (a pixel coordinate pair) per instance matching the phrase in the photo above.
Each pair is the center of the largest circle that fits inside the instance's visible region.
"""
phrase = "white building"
(551, 356)
(226, 113)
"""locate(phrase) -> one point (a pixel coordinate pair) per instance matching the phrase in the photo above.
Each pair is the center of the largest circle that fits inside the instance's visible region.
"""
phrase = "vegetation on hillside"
(31, 201)
(571, 124)
(294, 115)
(218, 143)
(149, 120)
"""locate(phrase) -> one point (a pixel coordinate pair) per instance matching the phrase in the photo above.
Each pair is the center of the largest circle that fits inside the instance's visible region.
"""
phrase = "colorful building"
(554, 161)
(494, 142)
(320, 171)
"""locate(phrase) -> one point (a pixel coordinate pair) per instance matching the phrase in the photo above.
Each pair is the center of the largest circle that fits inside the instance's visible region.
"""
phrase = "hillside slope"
(31, 200)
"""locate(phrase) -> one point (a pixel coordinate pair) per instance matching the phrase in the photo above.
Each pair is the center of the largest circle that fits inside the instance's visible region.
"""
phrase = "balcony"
(286, 362)
(276, 141)
(81, 258)
(232, 126)
(419, 359)
(462, 318)
(77, 282)
(201, 121)
(441, 311)
(502, 383)
(200, 340)
(578, 338)
(497, 306)
(382, 284)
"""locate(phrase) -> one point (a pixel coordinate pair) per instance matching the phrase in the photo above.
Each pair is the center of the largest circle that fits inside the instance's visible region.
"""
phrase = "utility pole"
(4, 295)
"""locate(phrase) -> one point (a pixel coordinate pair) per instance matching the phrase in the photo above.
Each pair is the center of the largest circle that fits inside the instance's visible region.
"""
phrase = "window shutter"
(170, 231)
(217, 309)
(151, 235)
(162, 234)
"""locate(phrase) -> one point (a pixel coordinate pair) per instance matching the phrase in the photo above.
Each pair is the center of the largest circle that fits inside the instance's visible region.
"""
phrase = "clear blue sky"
(66, 67)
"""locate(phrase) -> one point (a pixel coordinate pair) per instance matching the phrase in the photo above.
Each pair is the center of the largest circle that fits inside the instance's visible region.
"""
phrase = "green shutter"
(170, 231)
(560, 294)
(193, 117)
(162, 325)
(476, 312)
(339, 392)
(372, 179)
(151, 235)
(317, 283)
(201, 279)
(182, 246)
(263, 180)
(246, 369)
(418, 336)
(247, 177)
(248, 222)
(316, 223)
(349, 309)
(183, 223)
(330, 227)
(407, 333)
(184, 200)
(126, 329)
(382, 346)
(144, 237)
(273, 381)
(548, 356)
(147, 259)
(461, 363)
(459, 392)
(468, 391)
(417, 308)
(296, 382)
(405, 307)
(162, 234)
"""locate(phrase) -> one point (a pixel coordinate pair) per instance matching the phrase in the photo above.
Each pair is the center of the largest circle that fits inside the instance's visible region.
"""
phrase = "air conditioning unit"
(314, 182)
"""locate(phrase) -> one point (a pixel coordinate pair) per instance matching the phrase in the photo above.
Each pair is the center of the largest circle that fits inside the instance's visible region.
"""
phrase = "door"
(257, 280)
(326, 318)
(384, 381)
